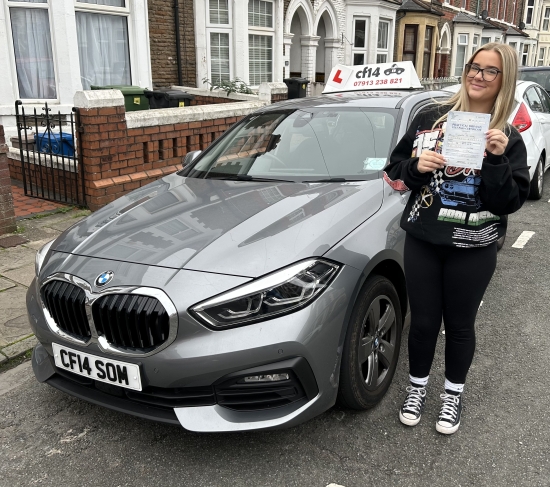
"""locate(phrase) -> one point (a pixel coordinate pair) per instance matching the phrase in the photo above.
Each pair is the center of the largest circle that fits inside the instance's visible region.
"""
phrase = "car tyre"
(537, 183)
(371, 348)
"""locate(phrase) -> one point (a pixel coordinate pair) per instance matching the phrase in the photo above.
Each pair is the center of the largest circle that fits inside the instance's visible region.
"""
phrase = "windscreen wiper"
(246, 177)
(332, 180)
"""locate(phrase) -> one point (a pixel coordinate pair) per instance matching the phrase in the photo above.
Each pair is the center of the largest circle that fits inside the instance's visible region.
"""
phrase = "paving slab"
(22, 275)
(14, 323)
(63, 225)
(19, 348)
(15, 257)
(5, 284)
(3, 358)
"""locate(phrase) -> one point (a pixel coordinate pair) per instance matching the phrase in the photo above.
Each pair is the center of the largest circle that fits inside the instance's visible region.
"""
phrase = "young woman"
(453, 220)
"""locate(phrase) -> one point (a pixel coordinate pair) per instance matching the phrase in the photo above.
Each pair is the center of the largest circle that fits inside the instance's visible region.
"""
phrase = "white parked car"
(531, 116)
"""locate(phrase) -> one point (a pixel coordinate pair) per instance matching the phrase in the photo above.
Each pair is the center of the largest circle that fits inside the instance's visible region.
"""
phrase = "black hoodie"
(456, 206)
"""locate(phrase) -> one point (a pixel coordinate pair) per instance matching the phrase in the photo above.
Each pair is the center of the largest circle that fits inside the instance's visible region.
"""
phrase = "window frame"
(262, 31)
(208, 51)
(460, 43)
(218, 27)
(359, 50)
(415, 43)
(540, 60)
(116, 11)
(525, 55)
(9, 4)
(383, 51)
(529, 12)
(431, 29)
(546, 19)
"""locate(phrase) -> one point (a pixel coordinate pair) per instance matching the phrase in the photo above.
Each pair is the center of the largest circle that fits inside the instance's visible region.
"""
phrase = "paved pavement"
(17, 253)
(25, 206)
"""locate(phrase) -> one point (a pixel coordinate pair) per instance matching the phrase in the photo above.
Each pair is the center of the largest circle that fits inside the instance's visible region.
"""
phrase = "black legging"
(448, 282)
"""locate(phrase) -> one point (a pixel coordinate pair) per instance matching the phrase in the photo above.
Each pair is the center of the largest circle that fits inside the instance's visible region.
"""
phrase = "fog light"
(266, 378)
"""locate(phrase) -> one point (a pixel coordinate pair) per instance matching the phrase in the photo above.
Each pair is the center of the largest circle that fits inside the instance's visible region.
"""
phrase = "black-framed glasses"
(488, 74)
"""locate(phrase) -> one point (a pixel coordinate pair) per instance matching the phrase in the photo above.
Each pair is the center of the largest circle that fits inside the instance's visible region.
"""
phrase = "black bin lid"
(169, 94)
(296, 80)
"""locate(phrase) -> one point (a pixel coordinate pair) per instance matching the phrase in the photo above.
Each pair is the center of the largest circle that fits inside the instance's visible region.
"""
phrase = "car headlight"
(40, 256)
(279, 293)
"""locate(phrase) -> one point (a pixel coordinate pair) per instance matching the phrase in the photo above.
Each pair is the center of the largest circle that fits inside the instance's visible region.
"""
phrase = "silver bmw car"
(252, 289)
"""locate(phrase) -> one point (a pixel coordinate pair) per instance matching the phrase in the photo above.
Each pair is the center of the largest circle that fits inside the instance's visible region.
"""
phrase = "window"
(529, 13)
(219, 12)
(382, 43)
(219, 57)
(462, 45)
(513, 45)
(359, 41)
(485, 40)
(475, 44)
(219, 40)
(103, 44)
(409, 45)
(260, 52)
(532, 98)
(260, 13)
(525, 55)
(428, 37)
(546, 18)
(260, 41)
(542, 54)
(32, 46)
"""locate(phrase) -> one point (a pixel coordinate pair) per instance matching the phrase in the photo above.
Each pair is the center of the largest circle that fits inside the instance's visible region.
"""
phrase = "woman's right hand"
(430, 161)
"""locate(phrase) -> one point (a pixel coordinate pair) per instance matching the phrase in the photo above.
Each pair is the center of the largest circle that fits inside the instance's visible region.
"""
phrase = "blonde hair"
(504, 102)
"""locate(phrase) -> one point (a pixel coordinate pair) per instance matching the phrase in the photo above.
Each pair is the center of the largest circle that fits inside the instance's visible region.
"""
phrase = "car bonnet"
(229, 227)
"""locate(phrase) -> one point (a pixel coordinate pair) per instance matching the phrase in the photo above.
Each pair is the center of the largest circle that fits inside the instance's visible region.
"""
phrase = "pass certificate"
(465, 140)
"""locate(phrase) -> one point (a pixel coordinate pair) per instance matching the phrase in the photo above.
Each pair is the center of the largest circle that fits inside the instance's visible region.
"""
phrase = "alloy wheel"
(377, 342)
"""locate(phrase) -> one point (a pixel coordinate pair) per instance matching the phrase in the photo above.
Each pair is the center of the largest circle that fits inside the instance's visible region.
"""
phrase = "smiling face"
(479, 90)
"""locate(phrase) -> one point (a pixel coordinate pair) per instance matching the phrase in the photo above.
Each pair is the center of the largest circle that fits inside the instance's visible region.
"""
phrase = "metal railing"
(50, 167)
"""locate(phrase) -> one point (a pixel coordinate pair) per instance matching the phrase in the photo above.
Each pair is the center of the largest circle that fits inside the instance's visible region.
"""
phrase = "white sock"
(421, 381)
(451, 386)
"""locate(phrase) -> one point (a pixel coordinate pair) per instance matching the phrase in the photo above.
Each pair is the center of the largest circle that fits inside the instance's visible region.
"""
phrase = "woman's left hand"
(496, 142)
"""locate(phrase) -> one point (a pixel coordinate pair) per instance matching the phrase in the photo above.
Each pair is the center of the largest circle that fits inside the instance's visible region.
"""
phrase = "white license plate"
(110, 371)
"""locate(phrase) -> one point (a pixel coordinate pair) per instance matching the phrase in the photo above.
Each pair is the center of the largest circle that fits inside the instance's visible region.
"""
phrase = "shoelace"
(414, 398)
(449, 409)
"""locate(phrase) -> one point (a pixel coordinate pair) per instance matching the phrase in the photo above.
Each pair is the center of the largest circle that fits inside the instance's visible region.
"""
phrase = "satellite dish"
(484, 14)
(521, 25)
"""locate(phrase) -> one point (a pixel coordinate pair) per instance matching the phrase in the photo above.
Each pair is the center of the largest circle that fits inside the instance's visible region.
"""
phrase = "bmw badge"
(104, 278)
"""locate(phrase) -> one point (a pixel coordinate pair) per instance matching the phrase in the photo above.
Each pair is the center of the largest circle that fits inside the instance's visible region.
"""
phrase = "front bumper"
(182, 382)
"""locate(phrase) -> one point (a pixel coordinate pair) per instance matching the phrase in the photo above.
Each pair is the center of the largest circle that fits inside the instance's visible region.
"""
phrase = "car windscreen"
(305, 144)
(541, 77)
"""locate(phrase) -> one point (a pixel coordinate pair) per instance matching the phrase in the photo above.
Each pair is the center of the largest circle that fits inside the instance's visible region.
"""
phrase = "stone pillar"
(309, 57)
(7, 214)
(287, 41)
(331, 55)
(273, 92)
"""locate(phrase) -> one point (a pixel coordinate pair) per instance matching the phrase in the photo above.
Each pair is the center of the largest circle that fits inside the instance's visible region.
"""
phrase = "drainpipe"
(477, 8)
(178, 42)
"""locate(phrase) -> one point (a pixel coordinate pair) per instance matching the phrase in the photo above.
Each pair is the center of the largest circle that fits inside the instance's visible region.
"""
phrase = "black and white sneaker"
(449, 416)
(411, 411)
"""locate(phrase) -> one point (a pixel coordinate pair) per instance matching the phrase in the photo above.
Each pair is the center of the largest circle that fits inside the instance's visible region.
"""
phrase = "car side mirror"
(190, 157)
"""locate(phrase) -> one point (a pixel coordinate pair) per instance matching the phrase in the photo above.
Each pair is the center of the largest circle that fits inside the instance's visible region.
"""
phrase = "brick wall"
(7, 214)
(124, 151)
(162, 36)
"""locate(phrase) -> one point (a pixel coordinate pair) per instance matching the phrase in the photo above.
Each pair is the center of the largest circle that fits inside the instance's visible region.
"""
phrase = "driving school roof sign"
(372, 77)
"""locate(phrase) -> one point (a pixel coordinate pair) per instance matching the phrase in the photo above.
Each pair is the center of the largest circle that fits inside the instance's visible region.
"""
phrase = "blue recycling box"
(61, 144)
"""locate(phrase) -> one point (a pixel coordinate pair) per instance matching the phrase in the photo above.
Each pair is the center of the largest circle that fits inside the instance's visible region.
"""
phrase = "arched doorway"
(298, 28)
